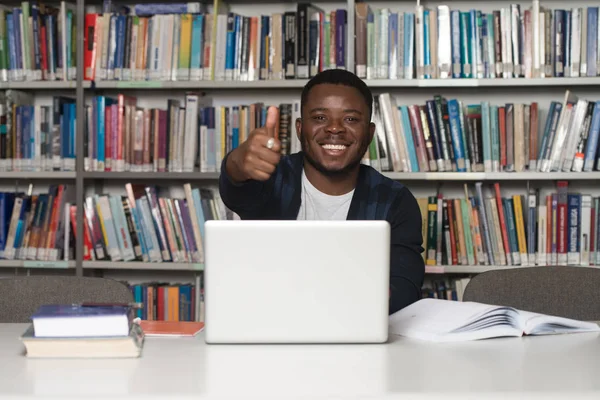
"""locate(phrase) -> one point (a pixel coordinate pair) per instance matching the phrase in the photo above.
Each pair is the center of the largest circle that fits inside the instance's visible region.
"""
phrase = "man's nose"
(335, 126)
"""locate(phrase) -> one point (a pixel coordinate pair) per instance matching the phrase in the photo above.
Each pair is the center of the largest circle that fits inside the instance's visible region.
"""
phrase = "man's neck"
(333, 185)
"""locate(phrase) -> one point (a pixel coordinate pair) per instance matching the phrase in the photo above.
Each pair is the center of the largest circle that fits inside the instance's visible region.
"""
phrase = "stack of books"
(83, 331)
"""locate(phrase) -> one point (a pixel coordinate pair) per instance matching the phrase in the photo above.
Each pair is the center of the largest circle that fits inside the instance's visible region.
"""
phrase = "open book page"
(445, 321)
(539, 324)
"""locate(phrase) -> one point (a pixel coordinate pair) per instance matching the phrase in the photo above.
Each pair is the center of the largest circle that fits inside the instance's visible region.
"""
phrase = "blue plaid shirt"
(375, 197)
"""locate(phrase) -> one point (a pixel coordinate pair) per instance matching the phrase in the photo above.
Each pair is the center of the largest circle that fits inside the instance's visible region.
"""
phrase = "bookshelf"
(153, 92)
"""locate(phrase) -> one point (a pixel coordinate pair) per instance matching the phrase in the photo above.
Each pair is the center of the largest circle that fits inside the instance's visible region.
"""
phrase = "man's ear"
(298, 128)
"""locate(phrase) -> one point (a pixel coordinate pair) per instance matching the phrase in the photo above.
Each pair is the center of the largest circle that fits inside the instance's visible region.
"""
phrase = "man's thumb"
(272, 123)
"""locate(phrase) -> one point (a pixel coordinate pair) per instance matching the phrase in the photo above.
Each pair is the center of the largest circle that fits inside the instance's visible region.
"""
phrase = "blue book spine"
(235, 130)
(410, 144)
(31, 142)
(196, 52)
(199, 211)
(35, 25)
(230, 49)
(64, 135)
(553, 126)
(119, 52)
(574, 222)
(72, 134)
(69, 33)
(11, 46)
(591, 147)
(340, 36)
(474, 41)
(17, 31)
(592, 41)
(455, 33)
(26, 138)
(138, 297)
(426, 47)
(456, 134)
(20, 231)
(4, 218)
(144, 228)
(512, 230)
(147, 9)
(100, 127)
(465, 45)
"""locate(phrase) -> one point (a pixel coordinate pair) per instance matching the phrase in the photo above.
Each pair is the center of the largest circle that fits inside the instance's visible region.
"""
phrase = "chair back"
(21, 296)
(570, 292)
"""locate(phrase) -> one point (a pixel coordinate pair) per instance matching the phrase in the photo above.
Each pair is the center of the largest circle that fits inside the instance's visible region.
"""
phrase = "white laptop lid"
(296, 281)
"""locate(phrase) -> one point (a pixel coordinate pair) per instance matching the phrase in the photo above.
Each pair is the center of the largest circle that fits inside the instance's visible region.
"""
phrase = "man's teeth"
(334, 146)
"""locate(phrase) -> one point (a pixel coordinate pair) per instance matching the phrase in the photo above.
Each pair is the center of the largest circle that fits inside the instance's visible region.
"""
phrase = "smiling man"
(326, 180)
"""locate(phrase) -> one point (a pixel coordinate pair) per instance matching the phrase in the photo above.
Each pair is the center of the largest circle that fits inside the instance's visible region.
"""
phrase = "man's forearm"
(241, 196)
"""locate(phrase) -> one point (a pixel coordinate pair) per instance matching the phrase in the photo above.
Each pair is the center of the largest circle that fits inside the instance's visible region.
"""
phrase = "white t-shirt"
(316, 205)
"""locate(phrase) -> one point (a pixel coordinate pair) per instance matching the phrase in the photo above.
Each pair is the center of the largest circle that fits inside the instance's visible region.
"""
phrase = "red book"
(502, 223)
(562, 222)
(89, 47)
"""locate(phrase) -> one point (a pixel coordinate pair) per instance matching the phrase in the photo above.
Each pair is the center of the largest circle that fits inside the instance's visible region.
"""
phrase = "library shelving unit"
(409, 91)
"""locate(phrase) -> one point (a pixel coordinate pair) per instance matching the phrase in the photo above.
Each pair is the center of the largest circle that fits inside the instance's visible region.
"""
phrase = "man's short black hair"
(339, 77)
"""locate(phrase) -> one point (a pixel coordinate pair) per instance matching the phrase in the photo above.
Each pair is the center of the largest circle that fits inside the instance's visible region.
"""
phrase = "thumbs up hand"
(258, 156)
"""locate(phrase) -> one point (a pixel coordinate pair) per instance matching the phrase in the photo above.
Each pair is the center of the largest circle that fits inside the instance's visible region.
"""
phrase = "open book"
(452, 321)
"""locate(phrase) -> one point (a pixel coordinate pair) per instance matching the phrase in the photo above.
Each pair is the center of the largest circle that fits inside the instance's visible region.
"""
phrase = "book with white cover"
(439, 320)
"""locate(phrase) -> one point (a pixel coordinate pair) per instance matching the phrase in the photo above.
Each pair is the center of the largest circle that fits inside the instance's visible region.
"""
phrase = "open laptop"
(296, 281)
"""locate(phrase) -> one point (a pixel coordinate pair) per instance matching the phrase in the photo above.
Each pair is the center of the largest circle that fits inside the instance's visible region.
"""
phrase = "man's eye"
(352, 119)
(319, 117)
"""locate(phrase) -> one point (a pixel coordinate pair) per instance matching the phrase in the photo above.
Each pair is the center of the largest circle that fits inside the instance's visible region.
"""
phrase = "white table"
(559, 367)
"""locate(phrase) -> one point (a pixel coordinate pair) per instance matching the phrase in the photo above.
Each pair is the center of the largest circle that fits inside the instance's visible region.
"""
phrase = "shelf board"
(126, 265)
(42, 85)
(492, 176)
(38, 175)
(498, 82)
(199, 85)
(191, 176)
(37, 264)
(374, 83)
(474, 269)
(400, 176)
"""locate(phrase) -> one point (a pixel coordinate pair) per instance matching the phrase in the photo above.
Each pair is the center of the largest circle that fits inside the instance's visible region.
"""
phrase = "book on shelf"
(37, 226)
(192, 42)
(486, 228)
(438, 320)
(449, 135)
(186, 42)
(446, 288)
(144, 225)
(445, 42)
(36, 137)
(182, 136)
(173, 302)
(38, 42)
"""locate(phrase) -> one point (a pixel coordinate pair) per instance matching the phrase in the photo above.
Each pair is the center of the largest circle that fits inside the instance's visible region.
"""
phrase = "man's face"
(335, 129)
